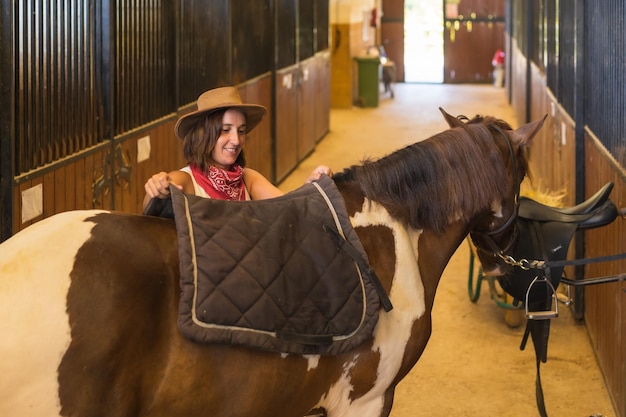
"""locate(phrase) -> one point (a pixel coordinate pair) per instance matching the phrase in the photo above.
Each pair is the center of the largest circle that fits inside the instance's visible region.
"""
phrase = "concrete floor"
(472, 365)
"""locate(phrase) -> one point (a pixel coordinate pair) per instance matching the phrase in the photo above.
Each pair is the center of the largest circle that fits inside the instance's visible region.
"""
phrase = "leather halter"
(487, 235)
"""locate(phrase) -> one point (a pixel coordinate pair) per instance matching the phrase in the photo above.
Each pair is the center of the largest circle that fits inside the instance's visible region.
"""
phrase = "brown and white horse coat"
(88, 300)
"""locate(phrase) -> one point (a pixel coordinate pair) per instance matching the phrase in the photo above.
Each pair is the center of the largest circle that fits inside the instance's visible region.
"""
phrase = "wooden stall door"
(322, 94)
(302, 62)
(259, 141)
(392, 33)
(307, 77)
(474, 30)
(286, 122)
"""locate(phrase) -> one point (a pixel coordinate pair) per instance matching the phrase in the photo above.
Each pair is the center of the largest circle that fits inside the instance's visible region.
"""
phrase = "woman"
(213, 139)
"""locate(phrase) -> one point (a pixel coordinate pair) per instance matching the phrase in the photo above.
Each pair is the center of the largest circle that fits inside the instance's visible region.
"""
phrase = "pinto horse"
(88, 299)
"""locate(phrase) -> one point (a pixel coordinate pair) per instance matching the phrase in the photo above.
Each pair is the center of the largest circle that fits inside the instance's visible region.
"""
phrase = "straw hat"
(220, 99)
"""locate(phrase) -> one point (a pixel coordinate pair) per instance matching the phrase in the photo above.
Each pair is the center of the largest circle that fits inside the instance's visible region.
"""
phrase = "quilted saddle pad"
(272, 274)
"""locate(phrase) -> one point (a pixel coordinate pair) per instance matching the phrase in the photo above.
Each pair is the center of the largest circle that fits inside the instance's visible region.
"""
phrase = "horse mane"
(450, 176)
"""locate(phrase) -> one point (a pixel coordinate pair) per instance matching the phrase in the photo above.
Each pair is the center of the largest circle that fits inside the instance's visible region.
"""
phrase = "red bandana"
(221, 184)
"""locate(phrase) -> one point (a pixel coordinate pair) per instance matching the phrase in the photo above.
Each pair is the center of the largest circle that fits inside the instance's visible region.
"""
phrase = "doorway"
(423, 41)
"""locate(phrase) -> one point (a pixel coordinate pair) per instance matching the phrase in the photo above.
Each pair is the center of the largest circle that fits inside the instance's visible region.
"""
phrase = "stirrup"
(543, 314)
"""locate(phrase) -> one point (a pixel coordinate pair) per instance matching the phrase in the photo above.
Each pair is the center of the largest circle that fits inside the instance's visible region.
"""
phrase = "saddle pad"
(267, 274)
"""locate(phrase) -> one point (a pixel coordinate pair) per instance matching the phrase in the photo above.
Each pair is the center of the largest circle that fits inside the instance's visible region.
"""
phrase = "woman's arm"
(258, 186)
(158, 185)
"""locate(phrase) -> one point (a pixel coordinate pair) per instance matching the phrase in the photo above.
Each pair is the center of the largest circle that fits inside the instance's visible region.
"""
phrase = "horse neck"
(436, 249)
(401, 255)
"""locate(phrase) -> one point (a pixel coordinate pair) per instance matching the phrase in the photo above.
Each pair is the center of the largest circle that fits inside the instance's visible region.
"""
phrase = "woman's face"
(231, 140)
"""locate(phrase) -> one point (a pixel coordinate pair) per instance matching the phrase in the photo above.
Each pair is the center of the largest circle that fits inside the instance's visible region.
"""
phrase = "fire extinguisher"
(373, 18)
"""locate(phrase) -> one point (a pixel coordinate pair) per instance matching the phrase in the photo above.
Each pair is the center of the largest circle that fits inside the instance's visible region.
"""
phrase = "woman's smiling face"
(231, 140)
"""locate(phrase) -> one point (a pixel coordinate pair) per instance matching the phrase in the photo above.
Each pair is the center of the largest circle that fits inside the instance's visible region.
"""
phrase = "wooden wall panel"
(553, 153)
(322, 95)
(393, 9)
(286, 123)
(605, 305)
(86, 182)
(165, 155)
(392, 35)
(48, 194)
(517, 83)
(482, 8)
(307, 79)
(259, 154)
(125, 191)
(68, 183)
(79, 181)
(469, 49)
(102, 163)
(65, 187)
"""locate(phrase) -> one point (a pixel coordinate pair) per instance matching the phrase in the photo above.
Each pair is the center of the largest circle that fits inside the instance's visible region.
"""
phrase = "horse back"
(77, 291)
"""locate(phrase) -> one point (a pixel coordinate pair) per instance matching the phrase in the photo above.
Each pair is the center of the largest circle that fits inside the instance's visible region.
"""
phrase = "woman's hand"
(318, 172)
(158, 186)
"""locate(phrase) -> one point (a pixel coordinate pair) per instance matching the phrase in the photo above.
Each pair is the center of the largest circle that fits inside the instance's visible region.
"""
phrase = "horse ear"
(451, 120)
(525, 134)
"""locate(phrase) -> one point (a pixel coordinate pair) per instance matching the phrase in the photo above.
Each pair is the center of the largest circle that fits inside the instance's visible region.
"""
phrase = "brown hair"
(199, 142)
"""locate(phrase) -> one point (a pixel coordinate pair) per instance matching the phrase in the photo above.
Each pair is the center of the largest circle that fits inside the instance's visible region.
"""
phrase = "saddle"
(287, 274)
(544, 234)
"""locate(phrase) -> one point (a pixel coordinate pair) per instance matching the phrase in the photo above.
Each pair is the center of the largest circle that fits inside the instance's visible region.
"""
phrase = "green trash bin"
(368, 80)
